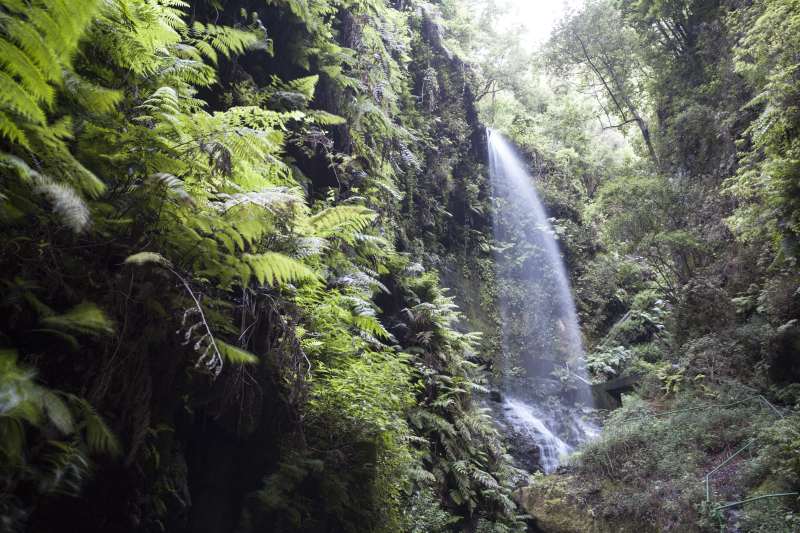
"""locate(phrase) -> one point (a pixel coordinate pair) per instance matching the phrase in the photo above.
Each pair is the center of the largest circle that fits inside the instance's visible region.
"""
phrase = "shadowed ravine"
(541, 338)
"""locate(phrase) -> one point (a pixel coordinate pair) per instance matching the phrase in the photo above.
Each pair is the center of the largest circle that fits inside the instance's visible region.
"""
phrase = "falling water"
(540, 334)
(528, 422)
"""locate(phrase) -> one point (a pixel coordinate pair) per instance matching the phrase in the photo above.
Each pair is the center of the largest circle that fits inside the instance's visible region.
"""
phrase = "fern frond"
(21, 65)
(36, 42)
(295, 94)
(236, 355)
(12, 132)
(57, 412)
(323, 118)
(274, 268)
(143, 258)
(484, 478)
(372, 326)
(85, 318)
(99, 436)
(19, 167)
(69, 207)
(27, 38)
(14, 98)
(341, 220)
(211, 39)
(268, 198)
(66, 468)
(174, 185)
(164, 100)
(305, 86)
(89, 95)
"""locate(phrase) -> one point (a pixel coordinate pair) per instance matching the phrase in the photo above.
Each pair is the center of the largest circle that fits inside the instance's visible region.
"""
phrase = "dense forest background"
(228, 226)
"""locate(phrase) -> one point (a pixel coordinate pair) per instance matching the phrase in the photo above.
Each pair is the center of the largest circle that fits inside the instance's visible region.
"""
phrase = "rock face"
(554, 507)
(548, 502)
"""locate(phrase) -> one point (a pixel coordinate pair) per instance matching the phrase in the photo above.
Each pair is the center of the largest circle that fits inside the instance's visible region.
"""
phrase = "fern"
(174, 185)
(36, 44)
(11, 131)
(57, 412)
(274, 268)
(30, 77)
(270, 198)
(66, 468)
(85, 318)
(343, 221)
(68, 206)
(90, 96)
(323, 118)
(143, 258)
(212, 40)
(99, 436)
(236, 355)
(371, 326)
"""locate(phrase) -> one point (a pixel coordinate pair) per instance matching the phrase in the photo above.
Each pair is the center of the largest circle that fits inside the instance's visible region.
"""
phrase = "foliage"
(662, 456)
(682, 255)
(767, 177)
(171, 268)
(595, 48)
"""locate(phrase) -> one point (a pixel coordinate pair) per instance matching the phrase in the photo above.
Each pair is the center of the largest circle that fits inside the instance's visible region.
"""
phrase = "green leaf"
(274, 268)
(85, 318)
(58, 412)
(99, 436)
(143, 258)
(236, 355)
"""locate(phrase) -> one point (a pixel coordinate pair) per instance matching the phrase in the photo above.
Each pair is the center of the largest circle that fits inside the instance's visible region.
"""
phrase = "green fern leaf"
(99, 436)
(372, 326)
(323, 118)
(236, 355)
(70, 208)
(12, 132)
(305, 86)
(341, 220)
(85, 318)
(143, 258)
(57, 412)
(20, 65)
(274, 268)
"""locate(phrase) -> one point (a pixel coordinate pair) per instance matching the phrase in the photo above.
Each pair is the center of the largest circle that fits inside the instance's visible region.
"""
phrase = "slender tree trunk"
(620, 98)
(645, 129)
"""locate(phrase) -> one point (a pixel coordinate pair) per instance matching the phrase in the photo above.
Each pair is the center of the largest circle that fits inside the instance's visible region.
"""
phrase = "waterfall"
(541, 340)
(529, 423)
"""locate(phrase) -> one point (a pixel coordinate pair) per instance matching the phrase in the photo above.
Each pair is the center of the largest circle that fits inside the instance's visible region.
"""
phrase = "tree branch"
(615, 126)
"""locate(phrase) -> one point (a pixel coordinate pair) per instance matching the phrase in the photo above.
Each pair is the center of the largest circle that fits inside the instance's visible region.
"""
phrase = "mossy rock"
(555, 509)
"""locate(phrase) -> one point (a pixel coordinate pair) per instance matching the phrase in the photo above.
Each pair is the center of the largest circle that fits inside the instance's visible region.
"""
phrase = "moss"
(554, 509)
